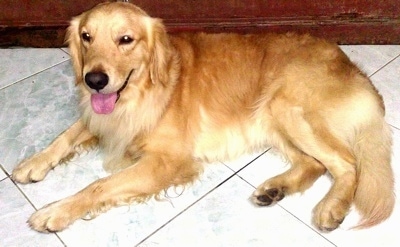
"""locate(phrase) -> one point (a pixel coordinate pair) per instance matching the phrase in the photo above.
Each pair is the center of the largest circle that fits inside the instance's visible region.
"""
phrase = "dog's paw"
(329, 214)
(33, 169)
(53, 217)
(267, 197)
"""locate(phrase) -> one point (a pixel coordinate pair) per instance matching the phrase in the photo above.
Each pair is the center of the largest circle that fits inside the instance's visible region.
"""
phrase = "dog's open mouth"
(105, 103)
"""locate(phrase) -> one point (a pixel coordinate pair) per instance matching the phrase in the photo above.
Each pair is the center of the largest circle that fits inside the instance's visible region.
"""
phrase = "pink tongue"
(103, 103)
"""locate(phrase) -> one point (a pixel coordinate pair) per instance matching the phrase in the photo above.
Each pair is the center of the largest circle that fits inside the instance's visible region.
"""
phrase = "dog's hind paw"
(267, 197)
(329, 214)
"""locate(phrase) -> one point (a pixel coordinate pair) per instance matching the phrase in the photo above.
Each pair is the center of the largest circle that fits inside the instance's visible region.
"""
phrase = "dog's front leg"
(73, 140)
(151, 175)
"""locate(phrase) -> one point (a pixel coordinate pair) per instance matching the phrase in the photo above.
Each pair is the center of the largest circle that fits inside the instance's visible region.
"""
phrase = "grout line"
(304, 223)
(235, 174)
(200, 198)
(394, 127)
(258, 156)
(23, 193)
(383, 66)
(5, 172)
(34, 207)
(187, 208)
(309, 227)
(38, 72)
(62, 49)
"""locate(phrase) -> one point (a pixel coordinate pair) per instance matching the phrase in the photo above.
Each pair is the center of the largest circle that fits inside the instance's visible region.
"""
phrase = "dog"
(161, 105)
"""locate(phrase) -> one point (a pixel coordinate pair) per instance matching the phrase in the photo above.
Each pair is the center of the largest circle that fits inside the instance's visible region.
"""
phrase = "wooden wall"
(42, 23)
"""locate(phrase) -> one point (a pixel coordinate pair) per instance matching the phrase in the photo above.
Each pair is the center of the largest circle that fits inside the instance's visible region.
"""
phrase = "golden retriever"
(161, 105)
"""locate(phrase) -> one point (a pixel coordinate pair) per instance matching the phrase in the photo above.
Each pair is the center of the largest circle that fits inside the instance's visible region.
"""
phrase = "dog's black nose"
(96, 80)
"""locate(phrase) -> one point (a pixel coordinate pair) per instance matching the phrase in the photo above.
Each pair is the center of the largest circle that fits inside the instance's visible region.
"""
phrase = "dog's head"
(116, 48)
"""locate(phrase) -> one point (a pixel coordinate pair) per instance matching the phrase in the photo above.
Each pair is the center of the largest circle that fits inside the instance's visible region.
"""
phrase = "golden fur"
(194, 98)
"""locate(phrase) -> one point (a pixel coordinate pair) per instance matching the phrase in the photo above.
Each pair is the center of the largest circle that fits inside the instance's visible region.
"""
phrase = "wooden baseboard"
(43, 37)
(342, 31)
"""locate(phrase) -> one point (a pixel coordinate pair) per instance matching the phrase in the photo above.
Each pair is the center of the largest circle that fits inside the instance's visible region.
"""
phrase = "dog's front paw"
(33, 169)
(53, 217)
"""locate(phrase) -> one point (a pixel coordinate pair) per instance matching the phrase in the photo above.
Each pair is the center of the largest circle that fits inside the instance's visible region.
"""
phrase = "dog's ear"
(160, 49)
(73, 40)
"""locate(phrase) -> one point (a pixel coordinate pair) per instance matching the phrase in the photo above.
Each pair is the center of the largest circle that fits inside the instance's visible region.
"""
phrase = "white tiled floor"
(37, 98)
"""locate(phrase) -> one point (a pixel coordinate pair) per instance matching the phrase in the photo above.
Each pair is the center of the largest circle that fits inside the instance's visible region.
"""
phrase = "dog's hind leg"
(74, 140)
(152, 174)
(310, 135)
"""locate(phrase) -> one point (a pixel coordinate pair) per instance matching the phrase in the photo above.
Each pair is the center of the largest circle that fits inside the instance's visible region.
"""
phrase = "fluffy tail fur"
(374, 197)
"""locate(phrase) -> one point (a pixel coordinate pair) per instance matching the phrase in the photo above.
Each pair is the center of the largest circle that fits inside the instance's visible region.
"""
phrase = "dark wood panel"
(272, 9)
(27, 13)
(42, 23)
(33, 12)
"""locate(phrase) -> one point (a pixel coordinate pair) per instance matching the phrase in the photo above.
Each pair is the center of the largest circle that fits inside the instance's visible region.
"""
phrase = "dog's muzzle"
(103, 103)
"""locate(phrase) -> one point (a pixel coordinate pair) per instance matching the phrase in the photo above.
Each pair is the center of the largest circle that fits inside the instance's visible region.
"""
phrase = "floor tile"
(15, 210)
(17, 64)
(388, 83)
(34, 111)
(371, 58)
(226, 217)
(270, 165)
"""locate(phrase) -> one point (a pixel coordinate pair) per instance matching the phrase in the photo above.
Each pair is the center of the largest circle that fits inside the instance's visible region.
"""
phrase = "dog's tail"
(374, 197)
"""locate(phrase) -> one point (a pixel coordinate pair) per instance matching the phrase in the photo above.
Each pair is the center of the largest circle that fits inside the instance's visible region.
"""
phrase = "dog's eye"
(86, 37)
(124, 40)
